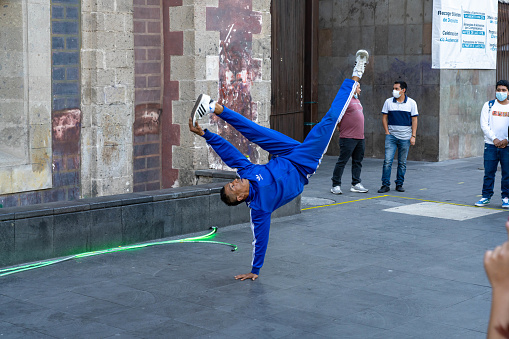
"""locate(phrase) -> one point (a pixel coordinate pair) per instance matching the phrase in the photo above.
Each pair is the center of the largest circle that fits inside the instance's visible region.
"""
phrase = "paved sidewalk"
(365, 266)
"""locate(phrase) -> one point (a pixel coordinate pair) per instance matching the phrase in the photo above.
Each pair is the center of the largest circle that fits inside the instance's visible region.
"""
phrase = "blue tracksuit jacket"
(283, 178)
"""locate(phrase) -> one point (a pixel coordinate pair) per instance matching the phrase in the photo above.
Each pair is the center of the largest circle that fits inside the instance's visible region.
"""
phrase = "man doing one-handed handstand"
(267, 187)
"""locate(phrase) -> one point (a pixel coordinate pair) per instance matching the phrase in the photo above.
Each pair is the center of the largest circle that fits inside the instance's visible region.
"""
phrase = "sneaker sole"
(196, 110)
(479, 205)
(362, 53)
(358, 191)
(336, 193)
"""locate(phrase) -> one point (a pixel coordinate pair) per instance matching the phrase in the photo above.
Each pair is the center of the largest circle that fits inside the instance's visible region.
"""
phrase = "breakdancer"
(267, 187)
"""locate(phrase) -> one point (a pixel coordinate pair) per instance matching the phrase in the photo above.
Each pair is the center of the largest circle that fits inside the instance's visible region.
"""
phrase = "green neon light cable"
(199, 239)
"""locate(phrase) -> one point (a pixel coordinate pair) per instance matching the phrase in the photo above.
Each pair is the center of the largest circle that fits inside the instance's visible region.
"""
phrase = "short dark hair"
(402, 84)
(503, 83)
(226, 199)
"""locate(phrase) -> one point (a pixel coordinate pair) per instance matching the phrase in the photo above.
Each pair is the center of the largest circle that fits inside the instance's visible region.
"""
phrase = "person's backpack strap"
(490, 105)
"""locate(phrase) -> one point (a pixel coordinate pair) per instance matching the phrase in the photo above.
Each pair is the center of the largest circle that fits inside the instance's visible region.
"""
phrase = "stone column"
(107, 97)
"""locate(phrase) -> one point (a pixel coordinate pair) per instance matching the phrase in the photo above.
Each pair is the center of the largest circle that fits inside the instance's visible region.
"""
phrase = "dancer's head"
(235, 192)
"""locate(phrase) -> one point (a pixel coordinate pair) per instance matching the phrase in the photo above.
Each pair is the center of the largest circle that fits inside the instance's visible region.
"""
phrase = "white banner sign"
(464, 34)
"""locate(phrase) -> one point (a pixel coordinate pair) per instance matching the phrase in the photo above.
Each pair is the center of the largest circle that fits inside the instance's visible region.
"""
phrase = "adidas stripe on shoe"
(204, 105)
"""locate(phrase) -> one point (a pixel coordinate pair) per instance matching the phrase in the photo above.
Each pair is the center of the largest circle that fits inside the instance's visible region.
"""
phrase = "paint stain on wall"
(66, 126)
(236, 23)
(147, 119)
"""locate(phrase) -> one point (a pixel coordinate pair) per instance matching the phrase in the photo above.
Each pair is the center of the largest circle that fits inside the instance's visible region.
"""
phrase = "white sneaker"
(358, 188)
(336, 190)
(204, 105)
(361, 59)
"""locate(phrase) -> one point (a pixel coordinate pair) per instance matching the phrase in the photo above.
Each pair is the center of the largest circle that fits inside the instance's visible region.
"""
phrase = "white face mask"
(501, 96)
(396, 93)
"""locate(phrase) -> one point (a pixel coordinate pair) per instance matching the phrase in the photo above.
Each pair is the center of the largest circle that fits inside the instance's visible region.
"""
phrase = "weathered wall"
(107, 88)
(25, 101)
(69, 91)
(462, 95)
(397, 34)
(66, 101)
(227, 57)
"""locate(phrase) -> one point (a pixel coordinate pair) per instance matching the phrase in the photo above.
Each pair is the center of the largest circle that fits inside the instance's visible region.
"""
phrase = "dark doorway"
(294, 66)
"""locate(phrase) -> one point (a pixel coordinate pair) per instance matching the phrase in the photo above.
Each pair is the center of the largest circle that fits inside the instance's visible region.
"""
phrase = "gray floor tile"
(424, 329)
(350, 270)
(8, 330)
(131, 319)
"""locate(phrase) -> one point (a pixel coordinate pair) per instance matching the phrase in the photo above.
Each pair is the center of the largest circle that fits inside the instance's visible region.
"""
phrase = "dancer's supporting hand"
(251, 276)
(195, 129)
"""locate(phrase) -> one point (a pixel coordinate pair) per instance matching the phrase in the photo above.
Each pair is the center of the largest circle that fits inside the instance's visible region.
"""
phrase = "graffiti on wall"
(236, 23)
(66, 126)
(147, 119)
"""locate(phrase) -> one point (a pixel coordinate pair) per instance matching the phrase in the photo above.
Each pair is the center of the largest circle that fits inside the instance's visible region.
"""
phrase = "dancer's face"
(237, 190)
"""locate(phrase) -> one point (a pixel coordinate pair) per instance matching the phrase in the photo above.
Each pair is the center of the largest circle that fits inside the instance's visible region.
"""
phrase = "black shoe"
(400, 188)
(384, 189)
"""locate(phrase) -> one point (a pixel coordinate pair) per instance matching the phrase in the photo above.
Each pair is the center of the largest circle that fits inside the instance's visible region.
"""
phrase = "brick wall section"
(65, 48)
(147, 19)
(66, 95)
(147, 51)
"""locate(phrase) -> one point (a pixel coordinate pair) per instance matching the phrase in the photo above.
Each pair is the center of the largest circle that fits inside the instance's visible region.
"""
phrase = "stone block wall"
(463, 93)
(25, 101)
(66, 228)
(397, 34)
(107, 94)
(225, 53)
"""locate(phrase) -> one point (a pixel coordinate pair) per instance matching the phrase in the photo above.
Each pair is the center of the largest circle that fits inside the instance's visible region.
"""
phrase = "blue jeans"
(391, 144)
(492, 156)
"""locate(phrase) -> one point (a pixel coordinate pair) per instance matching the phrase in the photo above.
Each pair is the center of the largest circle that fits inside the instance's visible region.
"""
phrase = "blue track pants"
(305, 156)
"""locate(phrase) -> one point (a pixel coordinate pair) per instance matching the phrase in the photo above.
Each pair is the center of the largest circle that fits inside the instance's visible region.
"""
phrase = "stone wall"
(397, 34)
(107, 93)
(462, 95)
(225, 53)
(25, 100)
(103, 104)
(59, 229)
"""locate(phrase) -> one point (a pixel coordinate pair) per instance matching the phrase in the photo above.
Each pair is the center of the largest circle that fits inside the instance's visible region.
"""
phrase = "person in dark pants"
(351, 144)
(494, 124)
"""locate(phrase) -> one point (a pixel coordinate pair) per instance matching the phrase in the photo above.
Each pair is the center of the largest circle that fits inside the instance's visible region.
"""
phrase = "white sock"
(356, 74)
